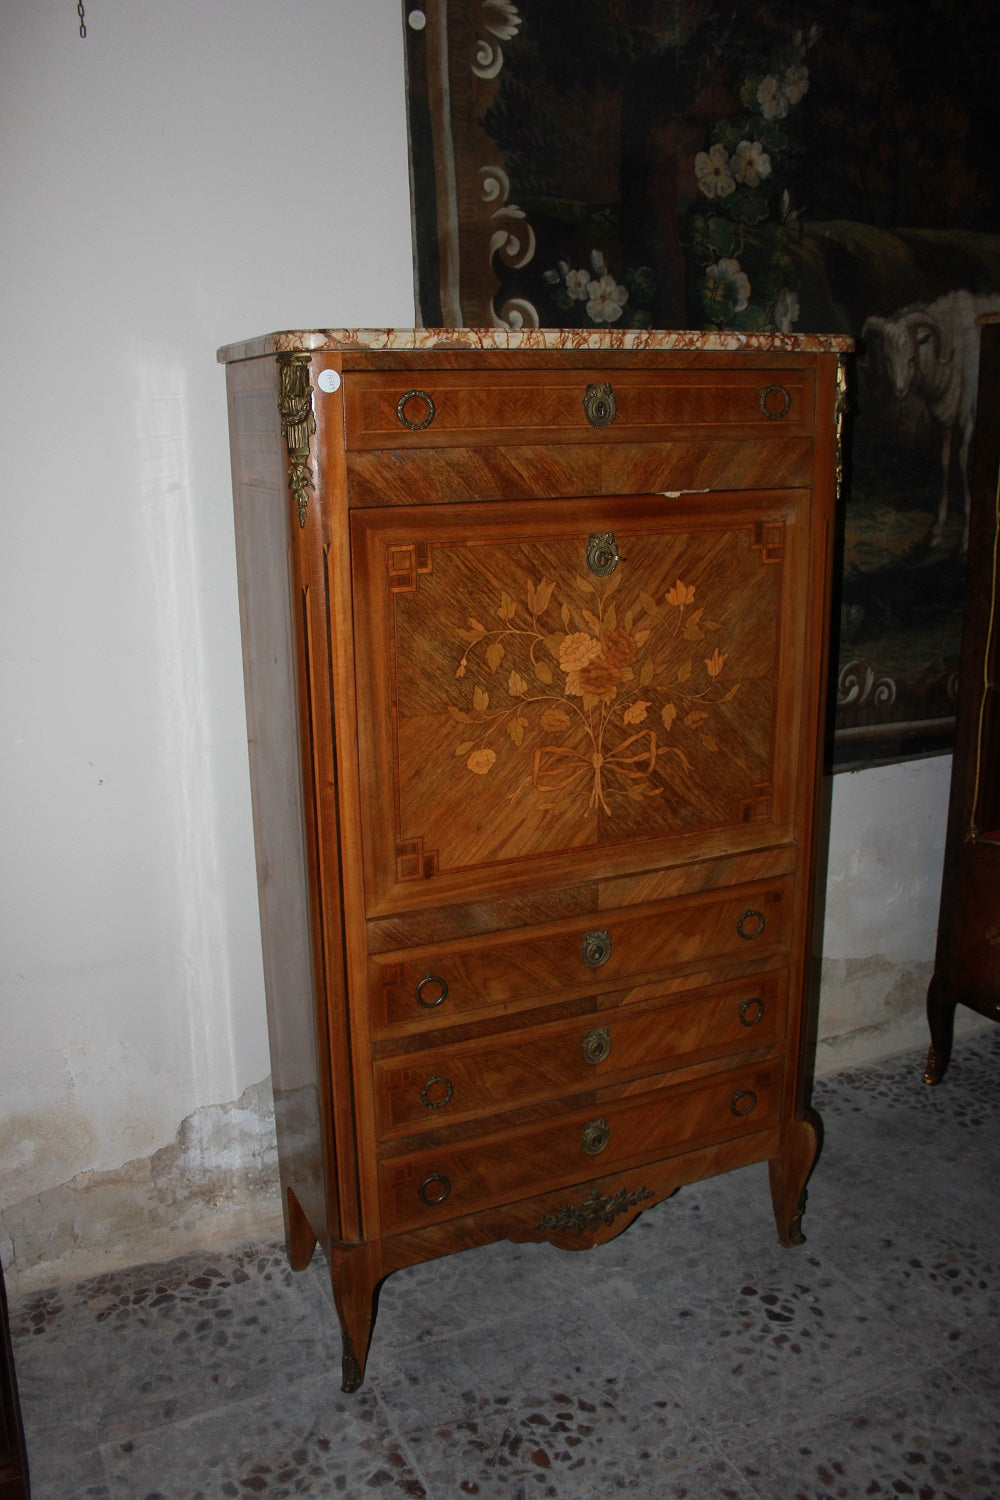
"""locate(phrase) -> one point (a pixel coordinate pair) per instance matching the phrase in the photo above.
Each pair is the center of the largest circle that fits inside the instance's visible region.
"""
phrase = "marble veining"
(384, 340)
(690, 1357)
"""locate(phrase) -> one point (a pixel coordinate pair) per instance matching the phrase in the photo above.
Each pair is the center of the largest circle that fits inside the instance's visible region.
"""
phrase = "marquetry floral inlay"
(606, 679)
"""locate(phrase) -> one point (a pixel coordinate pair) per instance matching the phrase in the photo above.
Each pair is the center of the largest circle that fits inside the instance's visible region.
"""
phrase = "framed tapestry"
(809, 167)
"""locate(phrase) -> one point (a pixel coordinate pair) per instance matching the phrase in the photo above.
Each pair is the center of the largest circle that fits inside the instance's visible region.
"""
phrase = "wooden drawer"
(429, 409)
(443, 1183)
(456, 1082)
(436, 987)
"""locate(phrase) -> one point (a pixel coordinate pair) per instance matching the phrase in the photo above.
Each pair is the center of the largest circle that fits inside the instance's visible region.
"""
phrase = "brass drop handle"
(751, 924)
(415, 410)
(431, 991)
(751, 1011)
(437, 1092)
(596, 1136)
(597, 948)
(434, 1190)
(743, 1103)
(774, 402)
(597, 1045)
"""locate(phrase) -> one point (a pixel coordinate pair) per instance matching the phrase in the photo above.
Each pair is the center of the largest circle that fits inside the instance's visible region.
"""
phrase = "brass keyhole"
(751, 1011)
(603, 556)
(743, 1103)
(596, 1136)
(597, 1045)
(597, 948)
(600, 405)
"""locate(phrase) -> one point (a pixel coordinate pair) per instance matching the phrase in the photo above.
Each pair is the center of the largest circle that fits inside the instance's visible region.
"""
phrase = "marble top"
(334, 340)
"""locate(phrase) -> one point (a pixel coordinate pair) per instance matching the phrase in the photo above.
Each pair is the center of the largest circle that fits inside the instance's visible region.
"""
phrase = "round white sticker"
(328, 380)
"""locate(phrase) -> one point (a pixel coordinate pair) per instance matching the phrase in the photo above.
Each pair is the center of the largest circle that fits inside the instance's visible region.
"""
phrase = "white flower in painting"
(772, 98)
(795, 83)
(729, 273)
(501, 17)
(713, 172)
(607, 299)
(577, 284)
(750, 162)
(786, 310)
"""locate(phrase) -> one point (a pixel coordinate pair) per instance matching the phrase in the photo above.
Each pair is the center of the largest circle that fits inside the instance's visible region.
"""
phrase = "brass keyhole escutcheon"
(436, 1092)
(603, 556)
(751, 924)
(751, 1011)
(597, 948)
(434, 1190)
(597, 1045)
(416, 410)
(431, 991)
(743, 1103)
(596, 1136)
(775, 402)
(599, 405)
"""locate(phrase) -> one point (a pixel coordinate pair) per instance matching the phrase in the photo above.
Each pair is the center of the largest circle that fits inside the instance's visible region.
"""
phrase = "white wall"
(193, 173)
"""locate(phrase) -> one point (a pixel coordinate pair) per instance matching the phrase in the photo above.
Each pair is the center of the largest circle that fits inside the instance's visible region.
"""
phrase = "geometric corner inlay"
(404, 562)
(412, 863)
(769, 540)
(757, 807)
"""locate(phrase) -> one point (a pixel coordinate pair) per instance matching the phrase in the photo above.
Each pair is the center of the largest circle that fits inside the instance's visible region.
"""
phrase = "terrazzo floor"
(690, 1357)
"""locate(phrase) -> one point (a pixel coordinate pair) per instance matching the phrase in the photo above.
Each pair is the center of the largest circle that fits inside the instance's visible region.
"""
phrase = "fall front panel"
(587, 688)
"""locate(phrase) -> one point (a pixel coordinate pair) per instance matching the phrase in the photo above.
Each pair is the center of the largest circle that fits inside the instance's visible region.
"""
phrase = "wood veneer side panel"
(966, 967)
(817, 605)
(326, 542)
(282, 777)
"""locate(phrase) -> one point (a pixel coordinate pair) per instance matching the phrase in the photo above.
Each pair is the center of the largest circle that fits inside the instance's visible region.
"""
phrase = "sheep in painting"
(932, 353)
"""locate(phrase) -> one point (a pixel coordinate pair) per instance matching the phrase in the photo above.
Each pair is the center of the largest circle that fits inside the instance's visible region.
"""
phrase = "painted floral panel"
(539, 708)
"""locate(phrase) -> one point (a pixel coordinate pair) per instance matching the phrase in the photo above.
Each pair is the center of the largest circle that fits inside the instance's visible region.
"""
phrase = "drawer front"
(440, 987)
(444, 1183)
(458, 1082)
(421, 409)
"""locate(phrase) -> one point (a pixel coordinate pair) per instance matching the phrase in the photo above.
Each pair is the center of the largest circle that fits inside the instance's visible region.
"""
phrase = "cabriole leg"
(941, 1022)
(355, 1279)
(789, 1174)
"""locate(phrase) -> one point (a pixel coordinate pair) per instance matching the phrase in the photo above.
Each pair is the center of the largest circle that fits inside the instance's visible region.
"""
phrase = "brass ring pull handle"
(596, 1136)
(774, 402)
(597, 948)
(603, 556)
(423, 417)
(434, 1190)
(751, 924)
(751, 1011)
(597, 1045)
(600, 405)
(743, 1103)
(425, 992)
(436, 1092)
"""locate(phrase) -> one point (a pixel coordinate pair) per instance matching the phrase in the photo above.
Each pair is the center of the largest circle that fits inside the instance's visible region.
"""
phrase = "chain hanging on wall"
(79, 11)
